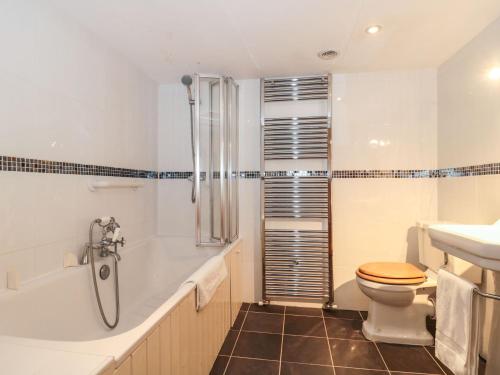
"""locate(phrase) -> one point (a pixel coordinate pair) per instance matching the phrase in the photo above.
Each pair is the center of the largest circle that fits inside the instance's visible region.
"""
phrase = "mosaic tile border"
(474, 170)
(28, 165)
(172, 175)
(16, 164)
(387, 173)
(245, 174)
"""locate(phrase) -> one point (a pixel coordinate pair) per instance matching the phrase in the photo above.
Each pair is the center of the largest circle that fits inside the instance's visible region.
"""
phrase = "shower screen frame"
(223, 208)
(232, 127)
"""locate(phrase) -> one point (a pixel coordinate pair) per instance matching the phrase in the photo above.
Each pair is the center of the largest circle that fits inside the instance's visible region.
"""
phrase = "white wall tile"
(49, 258)
(347, 294)
(175, 210)
(469, 113)
(385, 120)
(66, 96)
(250, 232)
(174, 133)
(249, 122)
(468, 134)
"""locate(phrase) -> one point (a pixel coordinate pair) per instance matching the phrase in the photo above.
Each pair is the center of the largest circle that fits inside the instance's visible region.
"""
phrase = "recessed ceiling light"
(373, 29)
(494, 73)
(328, 54)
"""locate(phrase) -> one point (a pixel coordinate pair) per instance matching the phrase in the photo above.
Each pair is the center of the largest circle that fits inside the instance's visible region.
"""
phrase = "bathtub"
(59, 312)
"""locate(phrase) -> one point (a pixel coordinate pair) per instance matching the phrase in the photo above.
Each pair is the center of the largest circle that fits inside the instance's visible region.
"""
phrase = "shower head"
(187, 81)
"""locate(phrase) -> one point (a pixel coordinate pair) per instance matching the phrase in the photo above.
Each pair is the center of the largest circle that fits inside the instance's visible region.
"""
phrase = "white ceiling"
(255, 38)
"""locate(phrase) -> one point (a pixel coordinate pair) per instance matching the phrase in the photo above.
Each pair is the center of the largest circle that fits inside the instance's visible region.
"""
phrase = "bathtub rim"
(119, 347)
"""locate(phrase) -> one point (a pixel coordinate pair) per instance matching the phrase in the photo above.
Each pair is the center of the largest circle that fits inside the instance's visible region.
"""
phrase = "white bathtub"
(60, 311)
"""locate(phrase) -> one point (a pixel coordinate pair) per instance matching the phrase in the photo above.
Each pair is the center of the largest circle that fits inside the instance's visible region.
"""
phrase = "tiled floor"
(275, 340)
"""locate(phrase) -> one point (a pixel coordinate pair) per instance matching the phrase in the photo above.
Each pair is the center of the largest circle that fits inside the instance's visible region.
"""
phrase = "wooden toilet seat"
(391, 273)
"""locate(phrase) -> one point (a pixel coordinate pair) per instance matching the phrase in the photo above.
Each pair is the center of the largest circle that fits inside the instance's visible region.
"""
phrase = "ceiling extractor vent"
(328, 54)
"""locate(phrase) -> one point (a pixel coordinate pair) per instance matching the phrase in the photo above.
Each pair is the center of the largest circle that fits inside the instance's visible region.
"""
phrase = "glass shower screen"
(216, 159)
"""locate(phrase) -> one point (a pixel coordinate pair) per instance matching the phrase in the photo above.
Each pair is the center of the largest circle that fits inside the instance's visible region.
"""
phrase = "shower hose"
(96, 287)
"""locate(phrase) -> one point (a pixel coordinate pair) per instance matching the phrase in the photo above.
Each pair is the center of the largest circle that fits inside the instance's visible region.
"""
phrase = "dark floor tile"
(302, 349)
(245, 366)
(276, 309)
(344, 329)
(219, 366)
(303, 369)
(239, 320)
(244, 306)
(356, 353)
(432, 352)
(408, 359)
(304, 326)
(258, 345)
(309, 311)
(364, 314)
(270, 323)
(228, 345)
(342, 314)
(356, 371)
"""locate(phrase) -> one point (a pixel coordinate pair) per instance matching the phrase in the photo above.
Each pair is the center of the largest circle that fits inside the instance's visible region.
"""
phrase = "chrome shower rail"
(296, 263)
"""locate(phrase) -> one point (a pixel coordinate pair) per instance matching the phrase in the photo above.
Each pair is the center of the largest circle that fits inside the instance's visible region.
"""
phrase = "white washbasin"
(477, 244)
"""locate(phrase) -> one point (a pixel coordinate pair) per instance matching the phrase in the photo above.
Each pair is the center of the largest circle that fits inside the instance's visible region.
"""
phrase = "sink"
(477, 244)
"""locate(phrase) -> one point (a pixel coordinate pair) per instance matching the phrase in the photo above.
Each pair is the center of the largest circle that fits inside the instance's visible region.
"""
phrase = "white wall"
(66, 96)
(175, 210)
(383, 121)
(398, 108)
(469, 132)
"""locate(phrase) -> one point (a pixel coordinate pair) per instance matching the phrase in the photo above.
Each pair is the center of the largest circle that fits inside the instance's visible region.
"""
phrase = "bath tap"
(105, 250)
(109, 225)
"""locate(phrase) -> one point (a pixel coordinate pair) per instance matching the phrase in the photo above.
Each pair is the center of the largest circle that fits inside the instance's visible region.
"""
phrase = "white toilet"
(399, 293)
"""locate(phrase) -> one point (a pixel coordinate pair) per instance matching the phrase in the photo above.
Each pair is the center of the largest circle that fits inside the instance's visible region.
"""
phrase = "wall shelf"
(98, 185)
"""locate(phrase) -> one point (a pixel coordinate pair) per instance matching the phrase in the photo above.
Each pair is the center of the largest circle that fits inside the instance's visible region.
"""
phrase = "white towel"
(457, 313)
(207, 279)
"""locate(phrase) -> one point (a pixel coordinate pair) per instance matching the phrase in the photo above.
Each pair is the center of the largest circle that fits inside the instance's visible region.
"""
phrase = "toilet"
(399, 293)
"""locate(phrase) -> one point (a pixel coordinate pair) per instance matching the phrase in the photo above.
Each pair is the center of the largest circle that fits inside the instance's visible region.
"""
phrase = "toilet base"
(399, 324)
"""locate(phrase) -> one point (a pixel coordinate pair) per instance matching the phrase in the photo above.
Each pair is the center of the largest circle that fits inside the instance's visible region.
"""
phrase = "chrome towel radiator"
(296, 235)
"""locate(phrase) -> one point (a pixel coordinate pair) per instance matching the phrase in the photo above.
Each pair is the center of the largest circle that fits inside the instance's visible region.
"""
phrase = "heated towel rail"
(296, 262)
